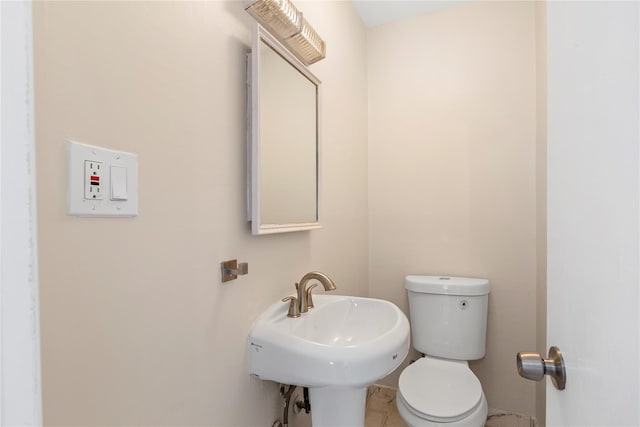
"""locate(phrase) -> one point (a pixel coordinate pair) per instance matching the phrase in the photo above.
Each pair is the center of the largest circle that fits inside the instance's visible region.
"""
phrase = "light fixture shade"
(308, 43)
(280, 17)
(287, 24)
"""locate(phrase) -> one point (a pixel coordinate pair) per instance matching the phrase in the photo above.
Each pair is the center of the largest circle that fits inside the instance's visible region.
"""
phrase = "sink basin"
(336, 349)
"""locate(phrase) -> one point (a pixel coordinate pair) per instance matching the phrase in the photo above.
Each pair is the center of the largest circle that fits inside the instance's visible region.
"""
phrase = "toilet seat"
(440, 390)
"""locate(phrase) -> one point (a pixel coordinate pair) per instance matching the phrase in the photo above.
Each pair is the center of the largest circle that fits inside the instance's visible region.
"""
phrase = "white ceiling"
(377, 12)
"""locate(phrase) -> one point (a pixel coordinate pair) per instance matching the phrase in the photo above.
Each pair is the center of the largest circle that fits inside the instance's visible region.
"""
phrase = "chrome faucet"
(303, 302)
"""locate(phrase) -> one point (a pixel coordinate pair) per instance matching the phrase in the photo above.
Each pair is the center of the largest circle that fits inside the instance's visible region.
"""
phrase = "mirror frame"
(254, 165)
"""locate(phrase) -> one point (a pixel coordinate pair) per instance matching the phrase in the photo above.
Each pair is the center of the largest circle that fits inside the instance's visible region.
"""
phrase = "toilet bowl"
(448, 326)
(437, 392)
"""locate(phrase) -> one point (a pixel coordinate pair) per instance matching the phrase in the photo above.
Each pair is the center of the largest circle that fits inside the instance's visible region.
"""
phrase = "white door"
(20, 382)
(593, 217)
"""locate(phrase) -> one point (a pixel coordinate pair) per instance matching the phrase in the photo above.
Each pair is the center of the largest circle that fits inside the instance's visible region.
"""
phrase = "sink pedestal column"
(337, 406)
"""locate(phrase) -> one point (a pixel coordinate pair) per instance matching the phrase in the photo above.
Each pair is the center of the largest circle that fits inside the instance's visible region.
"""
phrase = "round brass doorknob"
(533, 367)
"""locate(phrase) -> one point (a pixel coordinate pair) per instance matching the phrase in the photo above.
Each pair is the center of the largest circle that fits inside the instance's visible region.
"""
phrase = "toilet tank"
(448, 315)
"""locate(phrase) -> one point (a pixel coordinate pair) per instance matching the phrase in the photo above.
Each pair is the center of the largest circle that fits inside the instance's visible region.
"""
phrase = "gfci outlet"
(92, 180)
(102, 182)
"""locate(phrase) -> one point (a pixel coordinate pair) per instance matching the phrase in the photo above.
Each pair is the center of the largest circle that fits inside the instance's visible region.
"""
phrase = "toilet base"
(476, 419)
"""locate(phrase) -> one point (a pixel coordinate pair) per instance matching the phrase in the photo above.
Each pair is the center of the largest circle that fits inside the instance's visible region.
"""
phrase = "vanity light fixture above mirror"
(286, 23)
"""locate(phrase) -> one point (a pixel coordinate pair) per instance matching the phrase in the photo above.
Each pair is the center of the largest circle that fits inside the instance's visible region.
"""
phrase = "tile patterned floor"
(381, 408)
(382, 412)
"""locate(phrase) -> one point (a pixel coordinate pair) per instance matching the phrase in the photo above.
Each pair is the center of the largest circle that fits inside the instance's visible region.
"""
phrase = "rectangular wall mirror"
(284, 139)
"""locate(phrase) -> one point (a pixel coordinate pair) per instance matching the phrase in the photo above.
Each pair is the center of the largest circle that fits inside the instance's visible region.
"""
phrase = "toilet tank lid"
(447, 285)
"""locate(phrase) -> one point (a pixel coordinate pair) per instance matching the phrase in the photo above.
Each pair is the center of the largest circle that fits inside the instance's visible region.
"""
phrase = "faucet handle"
(309, 298)
(294, 310)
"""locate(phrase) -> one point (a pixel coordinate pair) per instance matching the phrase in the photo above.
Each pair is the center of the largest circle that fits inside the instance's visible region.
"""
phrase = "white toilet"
(448, 325)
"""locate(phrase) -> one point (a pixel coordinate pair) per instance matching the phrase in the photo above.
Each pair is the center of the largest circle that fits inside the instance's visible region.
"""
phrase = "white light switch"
(118, 182)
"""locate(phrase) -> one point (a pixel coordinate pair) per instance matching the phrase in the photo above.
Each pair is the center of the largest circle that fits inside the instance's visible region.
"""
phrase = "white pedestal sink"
(336, 349)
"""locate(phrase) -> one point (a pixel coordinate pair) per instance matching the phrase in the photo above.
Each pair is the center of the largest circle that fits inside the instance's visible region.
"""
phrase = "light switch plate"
(107, 206)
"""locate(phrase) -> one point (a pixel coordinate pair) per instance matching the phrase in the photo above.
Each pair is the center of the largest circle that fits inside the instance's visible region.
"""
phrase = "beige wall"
(452, 169)
(136, 327)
